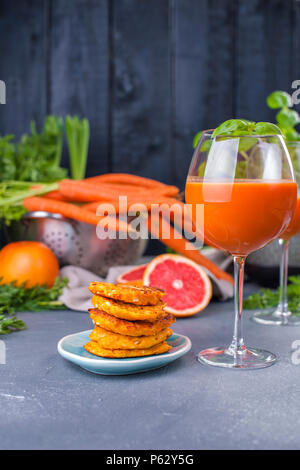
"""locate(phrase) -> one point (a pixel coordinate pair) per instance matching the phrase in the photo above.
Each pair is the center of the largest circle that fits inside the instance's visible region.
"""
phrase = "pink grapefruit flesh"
(133, 275)
(187, 286)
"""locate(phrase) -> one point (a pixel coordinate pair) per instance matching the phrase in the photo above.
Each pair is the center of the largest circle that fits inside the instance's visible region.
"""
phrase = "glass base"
(248, 359)
(274, 317)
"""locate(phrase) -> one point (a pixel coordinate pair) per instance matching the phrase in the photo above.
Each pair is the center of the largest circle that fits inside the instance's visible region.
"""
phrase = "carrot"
(132, 201)
(133, 180)
(93, 206)
(85, 192)
(55, 195)
(80, 191)
(125, 178)
(70, 211)
(159, 226)
(178, 212)
(169, 207)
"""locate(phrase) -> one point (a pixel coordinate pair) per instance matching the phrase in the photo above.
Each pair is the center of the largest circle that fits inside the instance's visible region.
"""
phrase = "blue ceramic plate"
(71, 348)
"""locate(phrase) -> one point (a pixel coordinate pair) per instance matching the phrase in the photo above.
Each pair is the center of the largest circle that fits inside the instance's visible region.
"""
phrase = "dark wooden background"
(147, 73)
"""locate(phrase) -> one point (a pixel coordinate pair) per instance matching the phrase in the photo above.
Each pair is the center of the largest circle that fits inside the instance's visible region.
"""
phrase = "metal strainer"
(76, 242)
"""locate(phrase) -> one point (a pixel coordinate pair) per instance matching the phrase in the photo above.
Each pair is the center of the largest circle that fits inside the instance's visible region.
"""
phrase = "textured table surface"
(47, 402)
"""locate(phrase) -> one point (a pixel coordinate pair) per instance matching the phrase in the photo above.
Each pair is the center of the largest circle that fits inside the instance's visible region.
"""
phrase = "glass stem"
(283, 308)
(237, 346)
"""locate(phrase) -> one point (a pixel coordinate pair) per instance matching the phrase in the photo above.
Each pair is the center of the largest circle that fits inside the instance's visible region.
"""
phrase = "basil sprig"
(240, 128)
(286, 117)
(243, 127)
(279, 99)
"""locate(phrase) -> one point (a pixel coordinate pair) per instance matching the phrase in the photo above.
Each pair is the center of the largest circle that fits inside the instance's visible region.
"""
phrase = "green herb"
(279, 99)
(15, 298)
(78, 134)
(10, 213)
(12, 194)
(233, 125)
(196, 140)
(7, 158)
(268, 299)
(38, 155)
(243, 127)
(237, 128)
(286, 118)
(10, 324)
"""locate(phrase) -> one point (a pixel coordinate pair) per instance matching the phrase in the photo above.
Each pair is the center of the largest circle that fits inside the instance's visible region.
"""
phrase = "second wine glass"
(281, 315)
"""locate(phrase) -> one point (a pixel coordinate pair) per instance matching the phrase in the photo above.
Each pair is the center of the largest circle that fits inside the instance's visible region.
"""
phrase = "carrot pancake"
(130, 328)
(93, 348)
(109, 340)
(131, 294)
(137, 283)
(129, 311)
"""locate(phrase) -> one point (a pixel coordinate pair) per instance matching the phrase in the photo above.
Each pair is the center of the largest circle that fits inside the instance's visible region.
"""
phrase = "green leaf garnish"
(242, 127)
(196, 139)
(245, 131)
(266, 128)
(205, 147)
(234, 125)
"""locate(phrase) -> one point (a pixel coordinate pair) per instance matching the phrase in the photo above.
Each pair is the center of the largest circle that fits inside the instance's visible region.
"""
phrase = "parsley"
(268, 299)
(10, 324)
(36, 157)
(15, 298)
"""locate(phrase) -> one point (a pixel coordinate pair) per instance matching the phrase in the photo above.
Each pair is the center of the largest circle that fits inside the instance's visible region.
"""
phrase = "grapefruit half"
(134, 276)
(187, 286)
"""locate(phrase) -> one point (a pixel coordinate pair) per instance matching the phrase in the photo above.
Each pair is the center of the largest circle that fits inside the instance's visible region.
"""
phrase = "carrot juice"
(244, 215)
(294, 225)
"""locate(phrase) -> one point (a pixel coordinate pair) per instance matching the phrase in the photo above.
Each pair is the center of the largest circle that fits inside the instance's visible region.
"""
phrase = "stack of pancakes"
(129, 321)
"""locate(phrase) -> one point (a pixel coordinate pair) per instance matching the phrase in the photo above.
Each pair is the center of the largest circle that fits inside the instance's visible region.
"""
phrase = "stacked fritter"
(129, 321)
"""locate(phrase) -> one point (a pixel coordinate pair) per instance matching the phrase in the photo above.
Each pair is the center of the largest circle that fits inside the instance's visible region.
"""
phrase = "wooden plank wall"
(147, 73)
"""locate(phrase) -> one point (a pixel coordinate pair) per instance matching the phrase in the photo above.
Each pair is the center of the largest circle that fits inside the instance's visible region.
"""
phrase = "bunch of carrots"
(79, 200)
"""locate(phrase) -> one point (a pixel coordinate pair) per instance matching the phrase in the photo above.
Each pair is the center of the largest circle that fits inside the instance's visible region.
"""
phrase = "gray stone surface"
(49, 403)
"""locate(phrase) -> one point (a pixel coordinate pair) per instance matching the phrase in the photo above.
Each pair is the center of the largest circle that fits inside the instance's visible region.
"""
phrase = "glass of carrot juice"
(281, 315)
(246, 187)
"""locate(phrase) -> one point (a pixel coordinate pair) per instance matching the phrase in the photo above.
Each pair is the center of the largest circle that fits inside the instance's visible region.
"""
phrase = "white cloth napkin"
(77, 296)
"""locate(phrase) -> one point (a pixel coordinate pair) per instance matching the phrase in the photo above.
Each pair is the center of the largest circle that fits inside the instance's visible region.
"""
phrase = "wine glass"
(246, 187)
(281, 315)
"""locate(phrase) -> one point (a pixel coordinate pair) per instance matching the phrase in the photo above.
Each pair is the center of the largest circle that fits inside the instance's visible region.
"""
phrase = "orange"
(30, 262)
